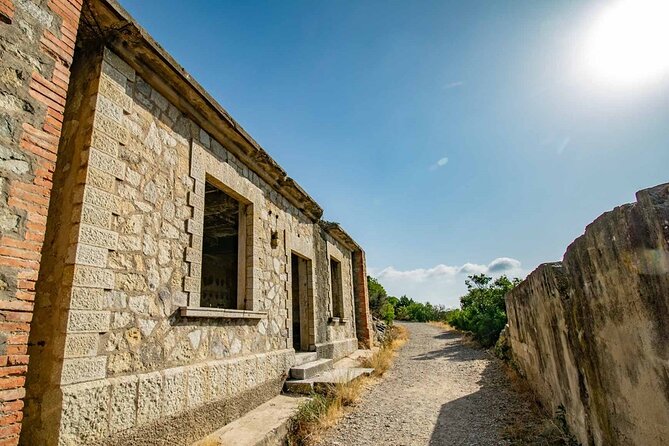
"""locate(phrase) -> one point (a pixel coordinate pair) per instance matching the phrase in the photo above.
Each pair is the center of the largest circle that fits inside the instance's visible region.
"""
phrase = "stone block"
(196, 201)
(95, 216)
(242, 374)
(150, 397)
(196, 242)
(192, 284)
(106, 163)
(175, 391)
(114, 74)
(218, 379)
(112, 129)
(109, 108)
(193, 255)
(88, 299)
(78, 370)
(94, 236)
(99, 198)
(123, 407)
(115, 93)
(195, 270)
(80, 321)
(119, 64)
(194, 227)
(100, 179)
(92, 277)
(198, 186)
(104, 143)
(81, 345)
(85, 413)
(198, 386)
(90, 255)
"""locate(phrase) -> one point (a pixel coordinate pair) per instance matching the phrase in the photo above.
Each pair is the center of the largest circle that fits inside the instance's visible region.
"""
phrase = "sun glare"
(629, 43)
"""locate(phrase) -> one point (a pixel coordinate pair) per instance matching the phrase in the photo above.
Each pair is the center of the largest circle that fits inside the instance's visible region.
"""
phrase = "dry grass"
(325, 410)
(382, 359)
(532, 426)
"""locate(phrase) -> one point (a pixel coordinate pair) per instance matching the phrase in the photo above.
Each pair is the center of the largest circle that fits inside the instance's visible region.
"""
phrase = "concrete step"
(265, 425)
(310, 369)
(326, 379)
(304, 357)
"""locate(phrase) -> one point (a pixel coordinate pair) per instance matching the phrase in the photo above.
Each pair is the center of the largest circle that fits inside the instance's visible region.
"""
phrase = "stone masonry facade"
(122, 349)
(37, 42)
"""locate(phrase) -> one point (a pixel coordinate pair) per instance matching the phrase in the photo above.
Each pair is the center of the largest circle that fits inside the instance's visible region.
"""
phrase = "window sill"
(220, 313)
(337, 320)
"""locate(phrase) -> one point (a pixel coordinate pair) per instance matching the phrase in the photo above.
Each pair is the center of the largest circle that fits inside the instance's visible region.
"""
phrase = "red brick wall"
(363, 317)
(36, 75)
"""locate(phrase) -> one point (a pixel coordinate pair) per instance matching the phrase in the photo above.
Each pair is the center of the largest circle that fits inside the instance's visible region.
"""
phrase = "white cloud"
(442, 284)
(454, 85)
(441, 162)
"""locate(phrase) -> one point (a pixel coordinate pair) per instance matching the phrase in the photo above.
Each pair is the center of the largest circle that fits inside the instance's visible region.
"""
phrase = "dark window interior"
(220, 249)
(337, 297)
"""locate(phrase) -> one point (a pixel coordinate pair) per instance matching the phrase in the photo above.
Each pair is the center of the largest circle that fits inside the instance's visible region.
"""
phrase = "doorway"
(302, 308)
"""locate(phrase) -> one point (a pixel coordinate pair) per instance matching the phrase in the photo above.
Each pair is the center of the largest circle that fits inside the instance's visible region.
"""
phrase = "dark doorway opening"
(295, 268)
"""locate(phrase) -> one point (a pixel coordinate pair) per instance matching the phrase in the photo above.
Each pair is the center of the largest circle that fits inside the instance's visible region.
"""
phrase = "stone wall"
(37, 40)
(591, 333)
(117, 357)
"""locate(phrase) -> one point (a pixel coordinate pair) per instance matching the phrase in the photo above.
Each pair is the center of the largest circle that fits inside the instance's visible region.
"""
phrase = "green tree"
(482, 310)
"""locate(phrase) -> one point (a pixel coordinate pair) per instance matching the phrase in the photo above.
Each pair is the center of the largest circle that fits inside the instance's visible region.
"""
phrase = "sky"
(447, 137)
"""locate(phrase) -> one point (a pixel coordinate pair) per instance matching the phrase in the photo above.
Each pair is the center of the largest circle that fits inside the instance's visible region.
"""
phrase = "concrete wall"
(119, 364)
(591, 333)
(37, 40)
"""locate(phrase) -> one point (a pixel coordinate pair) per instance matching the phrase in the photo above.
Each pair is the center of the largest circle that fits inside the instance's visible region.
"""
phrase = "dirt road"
(438, 392)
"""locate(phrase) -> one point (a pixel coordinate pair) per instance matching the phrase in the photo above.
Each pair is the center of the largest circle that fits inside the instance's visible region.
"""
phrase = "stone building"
(180, 268)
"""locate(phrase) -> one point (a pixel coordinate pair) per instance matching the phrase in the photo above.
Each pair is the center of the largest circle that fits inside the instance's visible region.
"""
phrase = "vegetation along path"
(439, 391)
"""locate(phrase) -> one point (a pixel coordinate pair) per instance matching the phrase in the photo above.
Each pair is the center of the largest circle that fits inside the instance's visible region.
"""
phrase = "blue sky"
(447, 137)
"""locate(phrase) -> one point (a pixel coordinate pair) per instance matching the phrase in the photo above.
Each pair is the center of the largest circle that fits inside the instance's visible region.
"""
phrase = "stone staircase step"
(310, 369)
(265, 425)
(304, 357)
(326, 379)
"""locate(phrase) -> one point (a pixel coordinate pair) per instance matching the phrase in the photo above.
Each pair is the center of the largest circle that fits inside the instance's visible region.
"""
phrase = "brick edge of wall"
(31, 201)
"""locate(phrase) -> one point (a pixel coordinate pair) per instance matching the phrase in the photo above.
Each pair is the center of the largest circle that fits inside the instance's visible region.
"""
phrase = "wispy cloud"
(442, 284)
(457, 84)
(441, 162)
(563, 145)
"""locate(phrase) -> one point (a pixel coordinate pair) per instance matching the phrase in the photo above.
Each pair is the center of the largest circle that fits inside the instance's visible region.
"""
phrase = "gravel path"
(438, 392)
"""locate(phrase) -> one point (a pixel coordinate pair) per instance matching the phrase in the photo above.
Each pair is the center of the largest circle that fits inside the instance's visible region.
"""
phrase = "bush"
(482, 310)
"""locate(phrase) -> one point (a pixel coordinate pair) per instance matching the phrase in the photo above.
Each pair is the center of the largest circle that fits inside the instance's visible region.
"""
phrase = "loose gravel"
(439, 391)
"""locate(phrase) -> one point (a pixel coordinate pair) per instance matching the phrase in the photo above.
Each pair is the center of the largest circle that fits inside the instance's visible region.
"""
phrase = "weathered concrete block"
(194, 226)
(175, 391)
(116, 94)
(150, 397)
(218, 379)
(196, 270)
(198, 386)
(119, 64)
(109, 108)
(192, 284)
(101, 180)
(95, 216)
(112, 128)
(88, 299)
(242, 374)
(193, 255)
(92, 277)
(85, 412)
(80, 321)
(100, 198)
(104, 143)
(123, 407)
(81, 345)
(99, 237)
(83, 369)
(115, 75)
(106, 163)
(91, 255)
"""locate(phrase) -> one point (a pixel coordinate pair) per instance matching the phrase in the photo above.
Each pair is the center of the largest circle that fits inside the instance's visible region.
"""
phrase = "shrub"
(482, 310)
